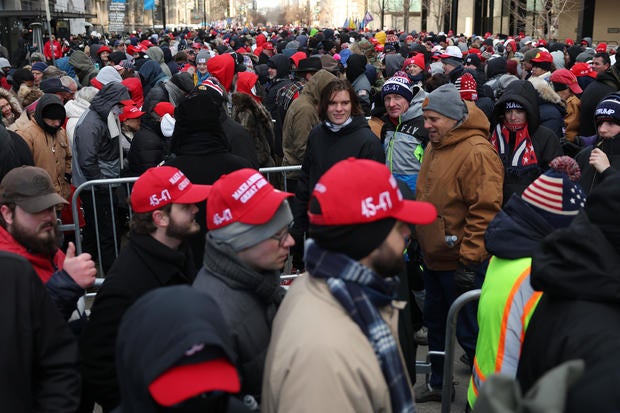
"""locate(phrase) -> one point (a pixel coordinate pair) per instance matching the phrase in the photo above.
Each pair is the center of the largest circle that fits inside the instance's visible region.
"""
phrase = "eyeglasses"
(282, 236)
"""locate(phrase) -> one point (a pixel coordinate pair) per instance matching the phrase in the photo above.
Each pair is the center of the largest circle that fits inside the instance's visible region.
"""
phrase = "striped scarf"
(360, 291)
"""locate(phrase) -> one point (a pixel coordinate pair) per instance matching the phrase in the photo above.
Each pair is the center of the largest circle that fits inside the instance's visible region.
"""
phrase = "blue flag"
(149, 4)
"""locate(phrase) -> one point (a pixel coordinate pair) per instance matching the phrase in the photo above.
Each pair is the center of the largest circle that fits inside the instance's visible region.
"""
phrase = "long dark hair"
(328, 92)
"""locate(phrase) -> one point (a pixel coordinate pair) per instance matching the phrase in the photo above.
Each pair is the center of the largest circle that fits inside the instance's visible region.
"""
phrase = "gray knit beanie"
(446, 101)
(241, 236)
(203, 56)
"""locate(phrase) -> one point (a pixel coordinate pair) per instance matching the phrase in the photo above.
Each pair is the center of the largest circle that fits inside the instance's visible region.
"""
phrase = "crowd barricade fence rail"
(109, 187)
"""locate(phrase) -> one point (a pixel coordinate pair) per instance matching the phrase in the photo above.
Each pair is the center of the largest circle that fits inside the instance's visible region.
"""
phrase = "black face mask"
(50, 129)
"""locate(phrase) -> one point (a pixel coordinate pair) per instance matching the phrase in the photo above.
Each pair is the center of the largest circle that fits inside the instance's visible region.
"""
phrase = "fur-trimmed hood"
(545, 91)
(15, 106)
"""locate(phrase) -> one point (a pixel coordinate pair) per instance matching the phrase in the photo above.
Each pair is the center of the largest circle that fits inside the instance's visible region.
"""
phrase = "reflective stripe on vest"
(506, 292)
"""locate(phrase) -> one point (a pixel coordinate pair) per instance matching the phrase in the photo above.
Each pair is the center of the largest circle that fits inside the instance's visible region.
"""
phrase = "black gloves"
(464, 279)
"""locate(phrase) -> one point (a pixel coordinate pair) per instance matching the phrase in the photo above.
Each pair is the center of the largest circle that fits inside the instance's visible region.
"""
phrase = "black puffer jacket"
(578, 270)
(546, 144)
(95, 152)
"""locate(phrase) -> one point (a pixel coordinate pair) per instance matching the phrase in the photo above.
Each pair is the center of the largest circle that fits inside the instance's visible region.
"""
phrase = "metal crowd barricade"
(448, 353)
(109, 184)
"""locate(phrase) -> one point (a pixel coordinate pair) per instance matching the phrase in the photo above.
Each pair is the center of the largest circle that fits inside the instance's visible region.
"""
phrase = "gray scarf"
(222, 262)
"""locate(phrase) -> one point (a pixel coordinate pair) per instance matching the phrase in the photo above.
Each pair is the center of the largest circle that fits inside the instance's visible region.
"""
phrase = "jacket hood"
(415, 106)
(46, 101)
(15, 106)
(151, 73)
(545, 91)
(524, 93)
(475, 123)
(110, 95)
(75, 107)
(516, 230)
(222, 67)
(157, 55)
(315, 85)
(578, 262)
(81, 62)
(356, 65)
(393, 63)
(157, 332)
(282, 65)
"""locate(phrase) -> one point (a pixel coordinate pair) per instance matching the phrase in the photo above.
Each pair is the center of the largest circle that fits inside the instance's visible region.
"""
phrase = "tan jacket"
(463, 177)
(319, 360)
(51, 153)
(573, 113)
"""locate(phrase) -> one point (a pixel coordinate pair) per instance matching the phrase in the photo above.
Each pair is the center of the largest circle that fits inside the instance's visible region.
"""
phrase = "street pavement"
(461, 380)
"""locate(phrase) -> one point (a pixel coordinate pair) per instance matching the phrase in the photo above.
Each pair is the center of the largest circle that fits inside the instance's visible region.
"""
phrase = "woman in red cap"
(103, 56)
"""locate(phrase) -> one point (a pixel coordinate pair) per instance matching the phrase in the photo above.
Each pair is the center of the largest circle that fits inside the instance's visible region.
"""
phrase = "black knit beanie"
(355, 241)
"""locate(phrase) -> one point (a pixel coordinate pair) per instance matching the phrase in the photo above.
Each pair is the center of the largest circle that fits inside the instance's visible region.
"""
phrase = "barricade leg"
(448, 365)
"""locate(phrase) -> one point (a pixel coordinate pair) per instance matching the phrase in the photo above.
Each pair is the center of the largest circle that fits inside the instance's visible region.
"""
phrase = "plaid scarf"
(360, 291)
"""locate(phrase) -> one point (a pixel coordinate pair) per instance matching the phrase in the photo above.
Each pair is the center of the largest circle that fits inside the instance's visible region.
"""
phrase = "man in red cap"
(164, 204)
(246, 247)
(335, 333)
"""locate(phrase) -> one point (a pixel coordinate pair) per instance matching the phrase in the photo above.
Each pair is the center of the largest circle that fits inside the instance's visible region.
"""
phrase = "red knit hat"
(468, 88)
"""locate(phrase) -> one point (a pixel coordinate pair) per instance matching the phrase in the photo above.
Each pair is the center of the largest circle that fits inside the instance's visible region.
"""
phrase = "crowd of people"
(431, 165)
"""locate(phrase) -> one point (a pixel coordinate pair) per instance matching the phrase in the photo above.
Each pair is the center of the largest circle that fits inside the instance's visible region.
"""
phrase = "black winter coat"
(578, 271)
(604, 84)
(203, 158)
(148, 148)
(590, 178)
(39, 356)
(15, 152)
(156, 333)
(546, 144)
(143, 265)
(324, 149)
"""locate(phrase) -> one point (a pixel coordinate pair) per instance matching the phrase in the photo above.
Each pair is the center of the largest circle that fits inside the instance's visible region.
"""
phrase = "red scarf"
(523, 153)
(44, 266)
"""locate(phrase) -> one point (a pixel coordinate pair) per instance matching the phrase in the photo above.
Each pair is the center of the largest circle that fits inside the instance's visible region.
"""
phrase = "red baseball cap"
(268, 46)
(244, 196)
(568, 78)
(359, 191)
(104, 48)
(583, 69)
(130, 112)
(164, 107)
(163, 185)
(601, 47)
(184, 382)
(542, 56)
